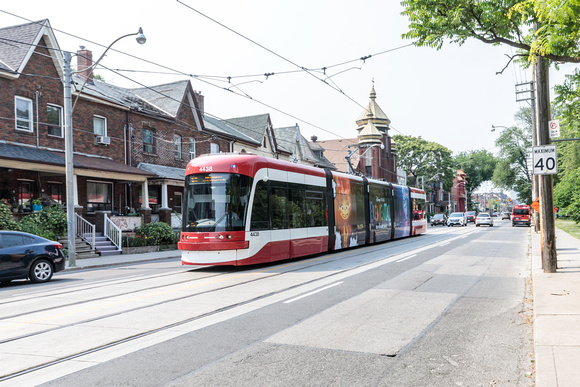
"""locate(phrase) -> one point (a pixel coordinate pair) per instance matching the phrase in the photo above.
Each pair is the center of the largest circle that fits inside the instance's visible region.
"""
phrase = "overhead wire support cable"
(270, 51)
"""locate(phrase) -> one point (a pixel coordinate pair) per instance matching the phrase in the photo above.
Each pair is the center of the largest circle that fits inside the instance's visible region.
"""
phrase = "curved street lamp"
(68, 144)
(498, 126)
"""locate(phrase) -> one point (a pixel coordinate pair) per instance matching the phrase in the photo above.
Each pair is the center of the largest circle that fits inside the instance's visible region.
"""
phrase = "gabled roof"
(17, 44)
(291, 141)
(287, 138)
(219, 126)
(254, 127)
(166, 97)
(161, 100)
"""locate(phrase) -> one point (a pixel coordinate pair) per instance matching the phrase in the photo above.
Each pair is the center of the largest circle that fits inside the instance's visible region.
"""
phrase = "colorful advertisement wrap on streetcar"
(349, 211)
(380, 204)
(402, 211)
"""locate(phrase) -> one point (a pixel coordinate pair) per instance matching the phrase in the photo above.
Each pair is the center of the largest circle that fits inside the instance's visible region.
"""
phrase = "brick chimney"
(84, 61)
(200, 101)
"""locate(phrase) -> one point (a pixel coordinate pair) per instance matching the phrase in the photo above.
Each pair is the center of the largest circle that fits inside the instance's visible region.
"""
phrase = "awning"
(43, 160)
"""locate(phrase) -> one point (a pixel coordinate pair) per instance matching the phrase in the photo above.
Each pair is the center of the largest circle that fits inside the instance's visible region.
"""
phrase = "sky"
(452, 96)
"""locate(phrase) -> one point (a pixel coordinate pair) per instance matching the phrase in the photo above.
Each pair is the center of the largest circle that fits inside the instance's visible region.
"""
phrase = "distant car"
(521, 214)
(456, 218)
(483, 219)
(470, 215)
(438, 219)
(505, 215)
(24, 255)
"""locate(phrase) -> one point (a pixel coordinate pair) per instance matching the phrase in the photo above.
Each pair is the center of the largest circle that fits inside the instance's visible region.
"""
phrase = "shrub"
(49, 223)
(7, 221)
(156, 234)
(54, 219)
(33, 224)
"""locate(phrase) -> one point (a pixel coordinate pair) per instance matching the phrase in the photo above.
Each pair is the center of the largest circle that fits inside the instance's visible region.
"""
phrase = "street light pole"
(68, 144)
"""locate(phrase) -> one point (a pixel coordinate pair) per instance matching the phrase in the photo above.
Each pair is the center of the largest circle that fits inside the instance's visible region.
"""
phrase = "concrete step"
(111, 252)
(87, 255)
(106, 248)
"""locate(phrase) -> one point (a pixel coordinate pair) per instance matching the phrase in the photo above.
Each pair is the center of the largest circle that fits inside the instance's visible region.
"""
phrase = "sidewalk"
(557, 314)
(123, 259)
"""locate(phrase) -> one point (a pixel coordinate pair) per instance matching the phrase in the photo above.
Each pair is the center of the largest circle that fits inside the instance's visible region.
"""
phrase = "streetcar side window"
(260, 208)
(297, 211)
(279, 205)
(315, 206)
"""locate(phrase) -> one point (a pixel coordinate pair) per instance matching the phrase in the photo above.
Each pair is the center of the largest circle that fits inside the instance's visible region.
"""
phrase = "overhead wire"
(245, 95)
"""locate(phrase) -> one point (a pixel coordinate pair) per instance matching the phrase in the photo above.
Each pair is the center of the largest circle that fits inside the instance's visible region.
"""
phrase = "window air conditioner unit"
(103, 140)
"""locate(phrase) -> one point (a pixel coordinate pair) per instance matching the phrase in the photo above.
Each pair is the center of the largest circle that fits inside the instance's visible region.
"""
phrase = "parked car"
(24, 255)
(457, 218)
(470, 215)
(483, 219)
(505, 215)
(438, 219)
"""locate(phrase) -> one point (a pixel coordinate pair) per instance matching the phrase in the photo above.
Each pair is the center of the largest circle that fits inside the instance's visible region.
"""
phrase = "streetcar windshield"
(216, 202)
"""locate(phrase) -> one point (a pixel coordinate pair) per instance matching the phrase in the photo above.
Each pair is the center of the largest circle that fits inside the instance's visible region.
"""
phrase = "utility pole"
(68, 146)
(545, 182)
(526, 92)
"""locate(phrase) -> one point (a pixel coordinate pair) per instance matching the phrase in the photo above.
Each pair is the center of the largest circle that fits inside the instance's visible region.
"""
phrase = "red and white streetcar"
(243, 209)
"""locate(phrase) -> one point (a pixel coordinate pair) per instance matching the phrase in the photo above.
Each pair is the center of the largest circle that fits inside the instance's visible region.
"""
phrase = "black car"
(438, 219)
(24, 255)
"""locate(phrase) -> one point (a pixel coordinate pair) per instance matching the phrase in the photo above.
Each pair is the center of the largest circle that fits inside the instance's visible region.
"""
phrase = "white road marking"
(314, 292)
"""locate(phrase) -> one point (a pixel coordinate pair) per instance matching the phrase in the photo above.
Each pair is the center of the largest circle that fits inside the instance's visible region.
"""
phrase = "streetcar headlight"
(220, 237)
(229, 236)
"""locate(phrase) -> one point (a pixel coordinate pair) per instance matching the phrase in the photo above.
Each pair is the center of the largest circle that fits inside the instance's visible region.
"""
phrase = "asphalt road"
(446, 308)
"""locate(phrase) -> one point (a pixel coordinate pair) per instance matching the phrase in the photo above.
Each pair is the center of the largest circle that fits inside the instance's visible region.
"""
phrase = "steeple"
(378, 116)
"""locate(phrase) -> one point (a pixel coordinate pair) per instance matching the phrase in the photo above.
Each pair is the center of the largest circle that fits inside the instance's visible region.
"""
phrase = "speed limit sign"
(544, 160)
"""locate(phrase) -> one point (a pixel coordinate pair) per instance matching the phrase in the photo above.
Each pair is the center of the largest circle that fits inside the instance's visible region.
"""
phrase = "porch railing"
(86, 230)
(113, 232)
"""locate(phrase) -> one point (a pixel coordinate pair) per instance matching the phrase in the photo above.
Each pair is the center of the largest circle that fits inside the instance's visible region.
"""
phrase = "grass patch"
(569, 226)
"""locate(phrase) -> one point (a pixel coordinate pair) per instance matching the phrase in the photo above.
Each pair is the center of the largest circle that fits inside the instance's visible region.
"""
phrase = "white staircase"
(104, 246)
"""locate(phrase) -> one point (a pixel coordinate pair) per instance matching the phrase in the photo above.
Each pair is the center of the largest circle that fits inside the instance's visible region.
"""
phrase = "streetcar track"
(316, 262)
(103, 297)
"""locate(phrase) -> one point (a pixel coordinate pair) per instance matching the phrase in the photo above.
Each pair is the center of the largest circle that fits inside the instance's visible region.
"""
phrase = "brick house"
(129, 144)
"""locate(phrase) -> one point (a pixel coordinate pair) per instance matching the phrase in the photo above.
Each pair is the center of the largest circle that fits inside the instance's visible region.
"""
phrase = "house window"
(177, 202)
(192, 148)
(55, 192)
(99, 126)
(148, 141)
(99, 196)
(54, 120)
(214, 148)
(24, 192)
(23, 113)
(177, 146)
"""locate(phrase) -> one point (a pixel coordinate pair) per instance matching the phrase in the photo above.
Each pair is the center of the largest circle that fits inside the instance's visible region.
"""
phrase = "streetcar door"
(280, 234)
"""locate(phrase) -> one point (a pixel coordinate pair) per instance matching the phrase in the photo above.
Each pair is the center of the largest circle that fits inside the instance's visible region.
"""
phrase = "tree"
(567, 188)
(508, 22)
(424, 160)
(540, 30)
(511, 171)
(478, 166)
